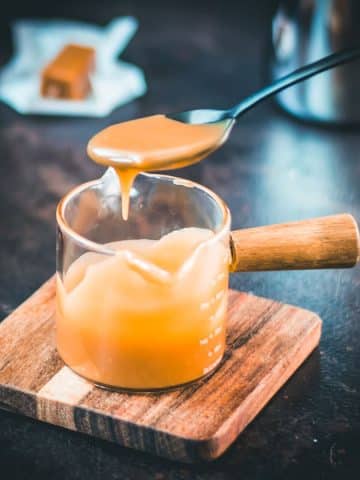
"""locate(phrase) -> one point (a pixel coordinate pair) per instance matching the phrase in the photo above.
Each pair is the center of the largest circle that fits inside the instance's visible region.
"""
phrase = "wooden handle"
(326, 242)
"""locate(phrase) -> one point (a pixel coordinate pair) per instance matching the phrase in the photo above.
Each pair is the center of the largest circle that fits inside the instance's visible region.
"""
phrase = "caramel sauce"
(146, 317)
(153, 143)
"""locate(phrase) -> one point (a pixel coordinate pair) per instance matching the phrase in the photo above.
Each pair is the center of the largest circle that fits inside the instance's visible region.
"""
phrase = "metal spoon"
(212, 116)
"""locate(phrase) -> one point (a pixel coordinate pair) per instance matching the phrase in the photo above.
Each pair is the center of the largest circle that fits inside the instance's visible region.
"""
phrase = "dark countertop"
(272, 169)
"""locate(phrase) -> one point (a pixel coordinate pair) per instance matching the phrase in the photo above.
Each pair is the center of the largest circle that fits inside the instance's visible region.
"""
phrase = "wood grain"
(325, 242)
(266, 343)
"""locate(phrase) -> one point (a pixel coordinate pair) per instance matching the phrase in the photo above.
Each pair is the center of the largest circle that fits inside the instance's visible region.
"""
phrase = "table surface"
(272, 169)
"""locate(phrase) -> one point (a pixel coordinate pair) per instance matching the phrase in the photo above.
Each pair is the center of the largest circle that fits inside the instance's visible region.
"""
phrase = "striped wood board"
(267, 341)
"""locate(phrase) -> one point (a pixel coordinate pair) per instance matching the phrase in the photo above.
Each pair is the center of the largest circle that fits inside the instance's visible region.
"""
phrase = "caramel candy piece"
(67, 76)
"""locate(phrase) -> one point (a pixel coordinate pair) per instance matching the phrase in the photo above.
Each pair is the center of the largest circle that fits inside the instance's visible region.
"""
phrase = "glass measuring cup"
(151, 315)
(125, 320)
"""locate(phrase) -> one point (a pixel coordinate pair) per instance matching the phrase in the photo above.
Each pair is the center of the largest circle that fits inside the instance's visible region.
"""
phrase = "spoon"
(177, 140)
(205, 116)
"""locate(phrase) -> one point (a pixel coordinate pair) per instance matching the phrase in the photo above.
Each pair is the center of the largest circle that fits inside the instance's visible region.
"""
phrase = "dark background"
(272, 169)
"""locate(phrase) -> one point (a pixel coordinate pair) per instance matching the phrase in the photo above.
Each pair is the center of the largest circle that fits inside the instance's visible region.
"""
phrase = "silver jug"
(304, 31)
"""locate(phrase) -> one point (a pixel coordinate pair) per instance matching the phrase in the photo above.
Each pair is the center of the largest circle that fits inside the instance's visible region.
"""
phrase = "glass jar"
(141, 304)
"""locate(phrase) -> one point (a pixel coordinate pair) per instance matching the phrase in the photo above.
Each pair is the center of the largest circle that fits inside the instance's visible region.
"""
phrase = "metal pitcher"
(304, 31)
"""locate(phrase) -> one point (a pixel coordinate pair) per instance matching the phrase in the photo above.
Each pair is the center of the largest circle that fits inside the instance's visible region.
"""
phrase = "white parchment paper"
(36, 42)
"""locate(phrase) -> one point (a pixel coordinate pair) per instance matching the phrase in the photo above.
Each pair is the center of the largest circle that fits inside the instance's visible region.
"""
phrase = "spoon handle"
(326, 242)
(295, 77)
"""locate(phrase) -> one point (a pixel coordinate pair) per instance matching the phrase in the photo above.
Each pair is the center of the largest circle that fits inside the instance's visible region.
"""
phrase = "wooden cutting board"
(267, 341)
